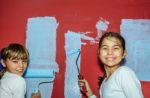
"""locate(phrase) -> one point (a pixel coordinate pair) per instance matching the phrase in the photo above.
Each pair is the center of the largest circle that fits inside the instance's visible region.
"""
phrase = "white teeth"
(19, 70)
(110, 59)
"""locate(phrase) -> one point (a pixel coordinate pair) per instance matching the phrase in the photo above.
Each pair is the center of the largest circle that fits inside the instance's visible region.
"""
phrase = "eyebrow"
(117, 45)
(113, 46)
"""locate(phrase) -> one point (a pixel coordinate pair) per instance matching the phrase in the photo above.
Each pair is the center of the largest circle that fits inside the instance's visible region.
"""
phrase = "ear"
(3, 63)
(124, 54)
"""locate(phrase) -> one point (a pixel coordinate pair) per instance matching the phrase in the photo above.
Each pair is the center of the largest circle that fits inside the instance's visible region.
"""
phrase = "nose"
(110, 51)
(20, 63)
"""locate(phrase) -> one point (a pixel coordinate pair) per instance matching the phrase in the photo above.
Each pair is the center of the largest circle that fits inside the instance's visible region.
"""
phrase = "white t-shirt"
(12, 86)
(123, 83)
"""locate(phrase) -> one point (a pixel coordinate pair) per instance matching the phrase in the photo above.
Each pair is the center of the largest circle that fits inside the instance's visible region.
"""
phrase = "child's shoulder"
(125, 70)
(13, 78)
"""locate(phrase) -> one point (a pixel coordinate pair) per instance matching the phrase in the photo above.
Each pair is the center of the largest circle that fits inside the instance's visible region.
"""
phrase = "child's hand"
(36, 95)
(84, 84)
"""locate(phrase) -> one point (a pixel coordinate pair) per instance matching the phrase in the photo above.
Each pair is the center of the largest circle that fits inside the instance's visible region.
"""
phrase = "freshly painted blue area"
(72, 47)
(41, 43)
(102, 25)
(137, 35)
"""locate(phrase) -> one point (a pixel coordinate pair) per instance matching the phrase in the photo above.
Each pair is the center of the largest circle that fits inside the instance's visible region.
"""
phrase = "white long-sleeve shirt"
(12, 86)
(123, 83)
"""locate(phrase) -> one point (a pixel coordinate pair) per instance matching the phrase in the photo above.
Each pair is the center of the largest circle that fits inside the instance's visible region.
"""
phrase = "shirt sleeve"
(130, 84)
(18, 87)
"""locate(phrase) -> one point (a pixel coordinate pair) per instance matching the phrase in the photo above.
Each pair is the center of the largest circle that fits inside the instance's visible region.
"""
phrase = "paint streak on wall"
(101, 26)
(72, 47)
(41, 43)
(136, 33)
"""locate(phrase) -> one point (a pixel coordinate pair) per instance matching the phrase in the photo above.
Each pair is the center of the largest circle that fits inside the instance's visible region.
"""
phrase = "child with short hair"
(14, 58)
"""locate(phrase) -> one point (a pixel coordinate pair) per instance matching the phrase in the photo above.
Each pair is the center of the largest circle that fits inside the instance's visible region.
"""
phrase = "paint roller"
(39, 73)
(74, 51)
(80, 77)
(37, 93)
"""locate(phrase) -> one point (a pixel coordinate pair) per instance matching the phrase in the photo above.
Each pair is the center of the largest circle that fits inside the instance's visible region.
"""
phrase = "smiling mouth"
(110, 58)
(20, 70)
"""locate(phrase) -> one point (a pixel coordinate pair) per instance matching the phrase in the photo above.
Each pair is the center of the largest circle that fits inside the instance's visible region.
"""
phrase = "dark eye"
(25, 61)
(104, 48)
(116, 48)
(15, 61)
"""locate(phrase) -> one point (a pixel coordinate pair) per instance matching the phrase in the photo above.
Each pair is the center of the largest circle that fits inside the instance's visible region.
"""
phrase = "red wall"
(75, 15)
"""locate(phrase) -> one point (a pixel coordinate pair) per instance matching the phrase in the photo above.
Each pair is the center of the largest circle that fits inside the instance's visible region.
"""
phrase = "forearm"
(90, 94)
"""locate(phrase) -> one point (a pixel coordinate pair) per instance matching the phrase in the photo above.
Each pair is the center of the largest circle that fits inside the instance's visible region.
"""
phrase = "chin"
(20, 74)
(112, 65)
